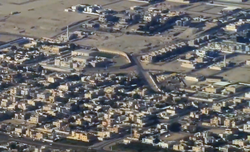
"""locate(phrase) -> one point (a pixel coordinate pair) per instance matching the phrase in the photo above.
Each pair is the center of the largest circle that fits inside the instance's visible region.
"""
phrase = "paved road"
(56, 145)
(16, 35)
(100, 145)
(145, 74)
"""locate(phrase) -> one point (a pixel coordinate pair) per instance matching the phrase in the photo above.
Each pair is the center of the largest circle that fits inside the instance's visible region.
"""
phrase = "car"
(13, 13)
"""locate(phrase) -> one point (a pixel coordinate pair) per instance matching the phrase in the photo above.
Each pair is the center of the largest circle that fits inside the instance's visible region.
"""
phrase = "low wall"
(201, 99)
(152, 79)
(115, 52)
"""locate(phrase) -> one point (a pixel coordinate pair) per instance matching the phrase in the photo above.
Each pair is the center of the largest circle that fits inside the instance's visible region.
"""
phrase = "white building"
(246, 127)
(82, 52)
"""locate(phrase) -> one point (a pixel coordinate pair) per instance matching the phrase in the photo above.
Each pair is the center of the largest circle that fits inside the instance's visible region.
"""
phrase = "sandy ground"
(47, 17)
(239, 58)
(17, 122)
(238, 74)
(217, 131)
(7, 38)
(175, 136)
(122, 42)
(170, 66)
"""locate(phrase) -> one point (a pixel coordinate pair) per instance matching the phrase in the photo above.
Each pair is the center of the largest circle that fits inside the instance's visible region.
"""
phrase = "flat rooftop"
(83, 51)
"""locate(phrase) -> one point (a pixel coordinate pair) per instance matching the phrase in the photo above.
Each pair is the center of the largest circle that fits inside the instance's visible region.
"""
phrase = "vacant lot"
(7, 38)
(175, 136)
(234, 74)
(174, 66)
(122, 42)
(18, 122)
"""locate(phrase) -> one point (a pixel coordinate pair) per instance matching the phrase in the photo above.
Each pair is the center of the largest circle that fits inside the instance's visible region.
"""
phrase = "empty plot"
(175, 136)
(120, 5)
(217, 131)
(240, 74)
(200, 8)
(171, 66)
(7, 38)
(122, 42)
(215, 10)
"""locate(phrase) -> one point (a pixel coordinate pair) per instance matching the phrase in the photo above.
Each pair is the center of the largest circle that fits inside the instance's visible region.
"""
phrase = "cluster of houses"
(32, 51)
(199, 58)
(237, 26)
(84, 108)
(166, 52)
(85, 8)
(149, 21)
(19, 146)
(222, 126)
(48, 102)
(77, 61)
(230, 47)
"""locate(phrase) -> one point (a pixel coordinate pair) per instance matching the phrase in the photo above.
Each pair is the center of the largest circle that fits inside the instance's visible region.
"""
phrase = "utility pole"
(225, 64)
(131, 134)
(67, 33)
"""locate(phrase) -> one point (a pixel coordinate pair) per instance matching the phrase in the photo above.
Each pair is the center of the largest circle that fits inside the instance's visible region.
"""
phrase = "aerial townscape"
(124, 76)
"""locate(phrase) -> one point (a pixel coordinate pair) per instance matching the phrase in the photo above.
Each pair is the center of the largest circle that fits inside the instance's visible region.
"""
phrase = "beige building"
(217, 121)
(214, 79)
(246, 110)
(202, 148)
(39, 136)
(30, 133)
(248, 62)
(213, 89)
(240, 142)
(228, 122)
(105, 134)
(115, 129)
(217, 107)
(188, 65)
(82, 52)
(90, 95)
(136, 134)
(54, 49)
(81, 136)
(180, 147)
(235, 88)
(205, 111)
(59, 123)
(36, 119)
(20, 131)
(193, 78)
